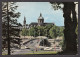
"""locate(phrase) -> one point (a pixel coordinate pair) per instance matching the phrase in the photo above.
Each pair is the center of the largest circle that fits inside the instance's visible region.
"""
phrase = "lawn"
(40, 52)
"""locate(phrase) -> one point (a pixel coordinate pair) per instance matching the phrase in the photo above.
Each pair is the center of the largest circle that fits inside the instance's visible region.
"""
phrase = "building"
(33, 24)
(39, 23)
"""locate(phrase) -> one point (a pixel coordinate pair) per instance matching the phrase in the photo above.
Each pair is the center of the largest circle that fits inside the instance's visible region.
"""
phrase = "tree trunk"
(8, 37)
(70, 26)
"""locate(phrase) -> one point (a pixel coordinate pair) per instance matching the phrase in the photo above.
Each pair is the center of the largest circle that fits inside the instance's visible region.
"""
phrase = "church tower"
(24, 22)
(40, 20)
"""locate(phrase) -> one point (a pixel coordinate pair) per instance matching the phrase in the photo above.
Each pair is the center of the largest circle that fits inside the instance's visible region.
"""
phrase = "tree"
(32, 31)
(46, 30)
(24, 32)
(56, 31)
(9, 19)
(40, 30)
(61, 31)
(70, 25)
(53, 32)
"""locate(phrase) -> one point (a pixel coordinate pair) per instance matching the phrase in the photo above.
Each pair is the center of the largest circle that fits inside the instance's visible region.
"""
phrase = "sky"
(32, 10)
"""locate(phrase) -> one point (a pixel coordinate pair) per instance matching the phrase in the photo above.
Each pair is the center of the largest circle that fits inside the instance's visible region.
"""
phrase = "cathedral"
(39, 23)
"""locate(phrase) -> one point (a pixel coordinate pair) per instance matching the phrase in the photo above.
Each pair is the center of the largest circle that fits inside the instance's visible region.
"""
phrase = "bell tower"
(24, 22)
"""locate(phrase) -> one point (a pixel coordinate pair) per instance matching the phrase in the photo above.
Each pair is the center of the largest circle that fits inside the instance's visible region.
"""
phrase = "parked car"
(47, 48)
